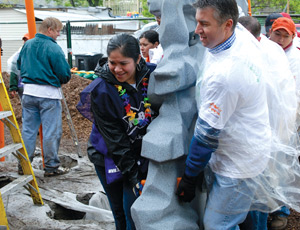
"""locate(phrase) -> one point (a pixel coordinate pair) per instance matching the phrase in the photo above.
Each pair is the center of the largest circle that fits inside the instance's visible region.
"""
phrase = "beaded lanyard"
(127, 106)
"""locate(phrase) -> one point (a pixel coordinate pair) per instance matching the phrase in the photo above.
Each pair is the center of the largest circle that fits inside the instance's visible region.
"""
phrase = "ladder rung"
(4, 114)
(16, 184)
(8, 149)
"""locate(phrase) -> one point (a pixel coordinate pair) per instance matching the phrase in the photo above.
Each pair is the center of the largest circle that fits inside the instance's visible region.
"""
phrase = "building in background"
(88, 34)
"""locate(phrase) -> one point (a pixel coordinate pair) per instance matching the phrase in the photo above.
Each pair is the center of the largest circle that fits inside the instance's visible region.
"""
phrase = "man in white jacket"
(282, 103)
(246, 165)
(283, 32)
(232, 131)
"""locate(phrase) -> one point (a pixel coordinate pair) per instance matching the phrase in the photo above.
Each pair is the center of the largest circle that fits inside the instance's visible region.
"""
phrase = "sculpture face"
(155, 7)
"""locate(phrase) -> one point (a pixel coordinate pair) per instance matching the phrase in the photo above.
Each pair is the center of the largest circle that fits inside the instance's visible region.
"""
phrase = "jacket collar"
(39, 35)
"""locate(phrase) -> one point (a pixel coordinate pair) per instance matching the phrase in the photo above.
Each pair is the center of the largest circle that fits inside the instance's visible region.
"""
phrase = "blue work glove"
(186, 188)
(137, 189)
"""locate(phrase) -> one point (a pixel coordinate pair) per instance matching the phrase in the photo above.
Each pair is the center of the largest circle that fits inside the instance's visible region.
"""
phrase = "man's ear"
(229, 24)
(156, 44)
(49, 31)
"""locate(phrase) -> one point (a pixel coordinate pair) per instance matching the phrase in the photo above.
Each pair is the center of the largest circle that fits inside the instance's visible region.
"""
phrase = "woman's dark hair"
(151, 35)
(127, 44)
(224, 9)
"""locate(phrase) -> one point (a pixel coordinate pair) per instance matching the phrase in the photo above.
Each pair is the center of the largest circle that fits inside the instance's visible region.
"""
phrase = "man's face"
(211, 32)
(281, 37)
(53, 33)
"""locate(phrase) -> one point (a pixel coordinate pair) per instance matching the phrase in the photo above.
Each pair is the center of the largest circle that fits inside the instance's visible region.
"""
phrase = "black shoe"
(57, 172)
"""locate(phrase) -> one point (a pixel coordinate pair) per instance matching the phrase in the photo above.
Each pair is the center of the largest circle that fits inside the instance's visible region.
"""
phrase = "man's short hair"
(52, 23)
(251, 24)
(225, 9)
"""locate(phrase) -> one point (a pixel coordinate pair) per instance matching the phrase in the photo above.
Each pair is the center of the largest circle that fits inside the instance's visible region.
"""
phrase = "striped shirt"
(223, 46)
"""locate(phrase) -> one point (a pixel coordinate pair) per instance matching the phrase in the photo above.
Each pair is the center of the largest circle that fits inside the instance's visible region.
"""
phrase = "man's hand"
(186, 188)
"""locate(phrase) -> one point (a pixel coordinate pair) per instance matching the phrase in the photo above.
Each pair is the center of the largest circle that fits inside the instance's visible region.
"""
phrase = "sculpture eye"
(193, 38)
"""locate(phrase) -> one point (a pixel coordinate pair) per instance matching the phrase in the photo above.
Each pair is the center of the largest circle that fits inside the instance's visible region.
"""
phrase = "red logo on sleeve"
(215, 109)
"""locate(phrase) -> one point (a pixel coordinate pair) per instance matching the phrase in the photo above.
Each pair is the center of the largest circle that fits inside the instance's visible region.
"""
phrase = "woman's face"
(145, 45)
(123, 68)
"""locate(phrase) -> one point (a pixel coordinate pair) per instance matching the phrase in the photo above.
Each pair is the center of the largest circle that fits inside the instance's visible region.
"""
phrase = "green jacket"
(43, 62)
(13, 82)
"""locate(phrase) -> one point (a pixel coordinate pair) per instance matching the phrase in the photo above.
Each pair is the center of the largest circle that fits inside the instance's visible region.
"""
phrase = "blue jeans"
(121, 198)
(36, 111)
(255, 220)
(258, 220)
(284, 211)
(228, 203)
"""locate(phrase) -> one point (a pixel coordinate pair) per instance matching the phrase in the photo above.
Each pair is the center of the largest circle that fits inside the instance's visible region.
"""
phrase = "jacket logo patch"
(215, 109)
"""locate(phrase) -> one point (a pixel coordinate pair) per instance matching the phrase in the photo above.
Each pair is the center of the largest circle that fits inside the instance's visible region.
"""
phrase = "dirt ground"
(66, 197)
(83, 128)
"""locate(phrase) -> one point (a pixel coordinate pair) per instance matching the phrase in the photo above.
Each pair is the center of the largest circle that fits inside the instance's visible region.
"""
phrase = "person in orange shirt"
(148, 40)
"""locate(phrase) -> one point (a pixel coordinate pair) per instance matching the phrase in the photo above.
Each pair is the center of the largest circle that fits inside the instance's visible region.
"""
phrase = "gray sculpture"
(171, 88)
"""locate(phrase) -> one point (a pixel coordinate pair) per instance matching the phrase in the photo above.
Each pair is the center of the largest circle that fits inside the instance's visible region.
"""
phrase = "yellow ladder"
(18, 149)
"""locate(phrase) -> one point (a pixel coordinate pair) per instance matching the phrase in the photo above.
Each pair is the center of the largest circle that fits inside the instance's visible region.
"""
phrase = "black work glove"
(186, 188)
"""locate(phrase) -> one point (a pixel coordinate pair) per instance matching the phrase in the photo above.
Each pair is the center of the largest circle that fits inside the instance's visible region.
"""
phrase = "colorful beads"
(132, 115)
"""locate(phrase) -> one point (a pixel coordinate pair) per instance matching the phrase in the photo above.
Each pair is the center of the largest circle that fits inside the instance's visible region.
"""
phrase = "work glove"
(137, 189)
(186, 188)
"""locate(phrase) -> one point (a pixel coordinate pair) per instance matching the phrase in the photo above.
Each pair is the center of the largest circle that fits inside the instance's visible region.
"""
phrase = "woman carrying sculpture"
(117, 104)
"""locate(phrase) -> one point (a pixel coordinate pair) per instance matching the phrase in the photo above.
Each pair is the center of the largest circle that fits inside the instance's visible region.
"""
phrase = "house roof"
(83, 18)
(62, 16)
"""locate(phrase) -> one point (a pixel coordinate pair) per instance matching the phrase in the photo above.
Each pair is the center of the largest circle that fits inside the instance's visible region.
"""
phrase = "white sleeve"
(156, 54)
(218, 104)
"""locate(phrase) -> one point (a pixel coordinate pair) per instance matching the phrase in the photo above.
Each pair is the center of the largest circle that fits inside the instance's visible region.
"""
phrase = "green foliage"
(58, 2)
(6, 6)
(145, 11)
(268, 6)
(77, 3)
